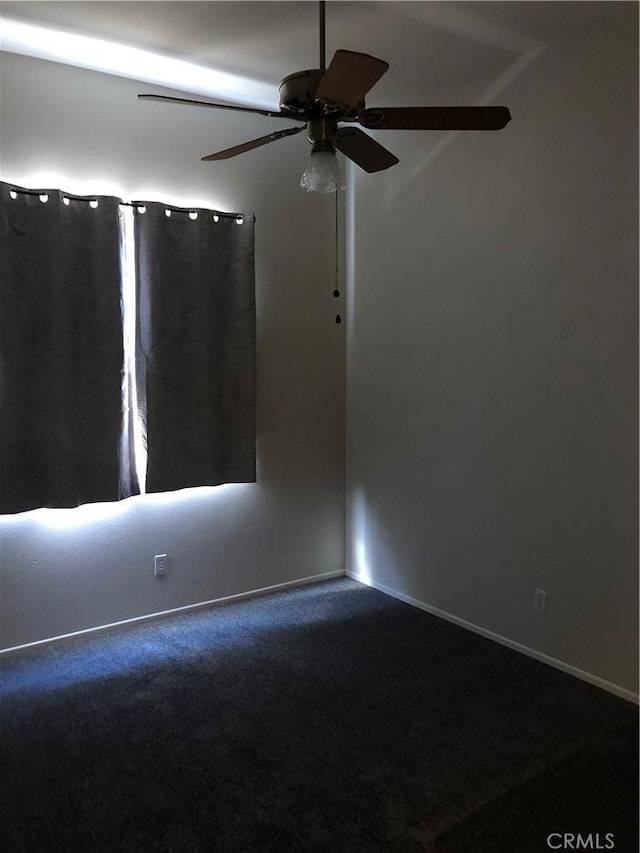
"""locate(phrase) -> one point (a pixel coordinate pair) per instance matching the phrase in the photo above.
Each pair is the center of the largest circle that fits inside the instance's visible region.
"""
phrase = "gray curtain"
(196, 341)
(61, 352)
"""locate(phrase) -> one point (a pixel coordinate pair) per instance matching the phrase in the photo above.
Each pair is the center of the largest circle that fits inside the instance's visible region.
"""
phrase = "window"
(125, 333)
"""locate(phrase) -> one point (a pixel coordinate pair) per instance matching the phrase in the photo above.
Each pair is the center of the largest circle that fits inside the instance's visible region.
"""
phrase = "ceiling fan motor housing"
(298, 96)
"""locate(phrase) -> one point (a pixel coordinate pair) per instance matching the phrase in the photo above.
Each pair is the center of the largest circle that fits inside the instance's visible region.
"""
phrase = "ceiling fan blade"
(435, 118)
(189, 102)
(254, 143)
(349, 77)
(363, 150)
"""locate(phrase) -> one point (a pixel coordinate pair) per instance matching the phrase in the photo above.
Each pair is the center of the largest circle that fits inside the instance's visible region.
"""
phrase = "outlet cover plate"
(540, 600)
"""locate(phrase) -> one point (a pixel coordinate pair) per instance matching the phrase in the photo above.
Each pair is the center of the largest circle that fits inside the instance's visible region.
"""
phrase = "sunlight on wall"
(113, 58)
(363, 573)
(184, 495)
(88, 514)
(489, 96)
(372, 554)
(68, 519)
(360, 568)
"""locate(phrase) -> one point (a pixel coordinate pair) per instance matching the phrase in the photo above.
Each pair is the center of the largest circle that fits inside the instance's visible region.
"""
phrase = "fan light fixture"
(323, 173)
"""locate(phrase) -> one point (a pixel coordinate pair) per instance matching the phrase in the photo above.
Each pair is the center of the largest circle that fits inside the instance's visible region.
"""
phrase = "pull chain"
(336, 291)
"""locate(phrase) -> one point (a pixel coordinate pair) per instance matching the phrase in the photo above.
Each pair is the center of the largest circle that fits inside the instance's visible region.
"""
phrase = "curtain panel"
(195, 346)
(61, 350)
(121, 326)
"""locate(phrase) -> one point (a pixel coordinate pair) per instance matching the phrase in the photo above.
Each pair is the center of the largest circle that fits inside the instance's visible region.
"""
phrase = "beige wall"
(492, 358)
(59, 576)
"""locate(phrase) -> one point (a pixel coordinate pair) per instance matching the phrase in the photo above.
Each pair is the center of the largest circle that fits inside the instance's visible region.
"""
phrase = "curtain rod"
(172, 207)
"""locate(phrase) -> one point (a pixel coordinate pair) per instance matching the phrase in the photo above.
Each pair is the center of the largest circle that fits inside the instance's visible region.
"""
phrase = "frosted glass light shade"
(323, 173)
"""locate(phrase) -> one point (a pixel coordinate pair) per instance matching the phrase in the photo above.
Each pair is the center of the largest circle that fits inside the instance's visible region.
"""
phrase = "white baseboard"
(434, 611)
(265, 590)
(622, 692)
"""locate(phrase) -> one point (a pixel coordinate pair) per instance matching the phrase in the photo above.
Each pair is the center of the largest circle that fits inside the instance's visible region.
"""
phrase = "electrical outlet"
(160, 565)
(540, 600)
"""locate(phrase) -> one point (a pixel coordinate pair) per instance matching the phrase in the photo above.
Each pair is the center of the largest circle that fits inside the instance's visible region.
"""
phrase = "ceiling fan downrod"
(321, 13)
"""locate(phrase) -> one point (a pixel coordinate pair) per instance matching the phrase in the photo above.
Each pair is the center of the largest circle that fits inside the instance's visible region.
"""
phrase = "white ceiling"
(430, 45)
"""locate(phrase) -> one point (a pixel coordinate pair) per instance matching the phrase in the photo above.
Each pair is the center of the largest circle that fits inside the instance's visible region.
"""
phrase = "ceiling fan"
(322, 98)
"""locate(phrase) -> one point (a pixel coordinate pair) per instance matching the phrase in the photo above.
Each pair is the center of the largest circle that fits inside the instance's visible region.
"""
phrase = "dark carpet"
(326, 718)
